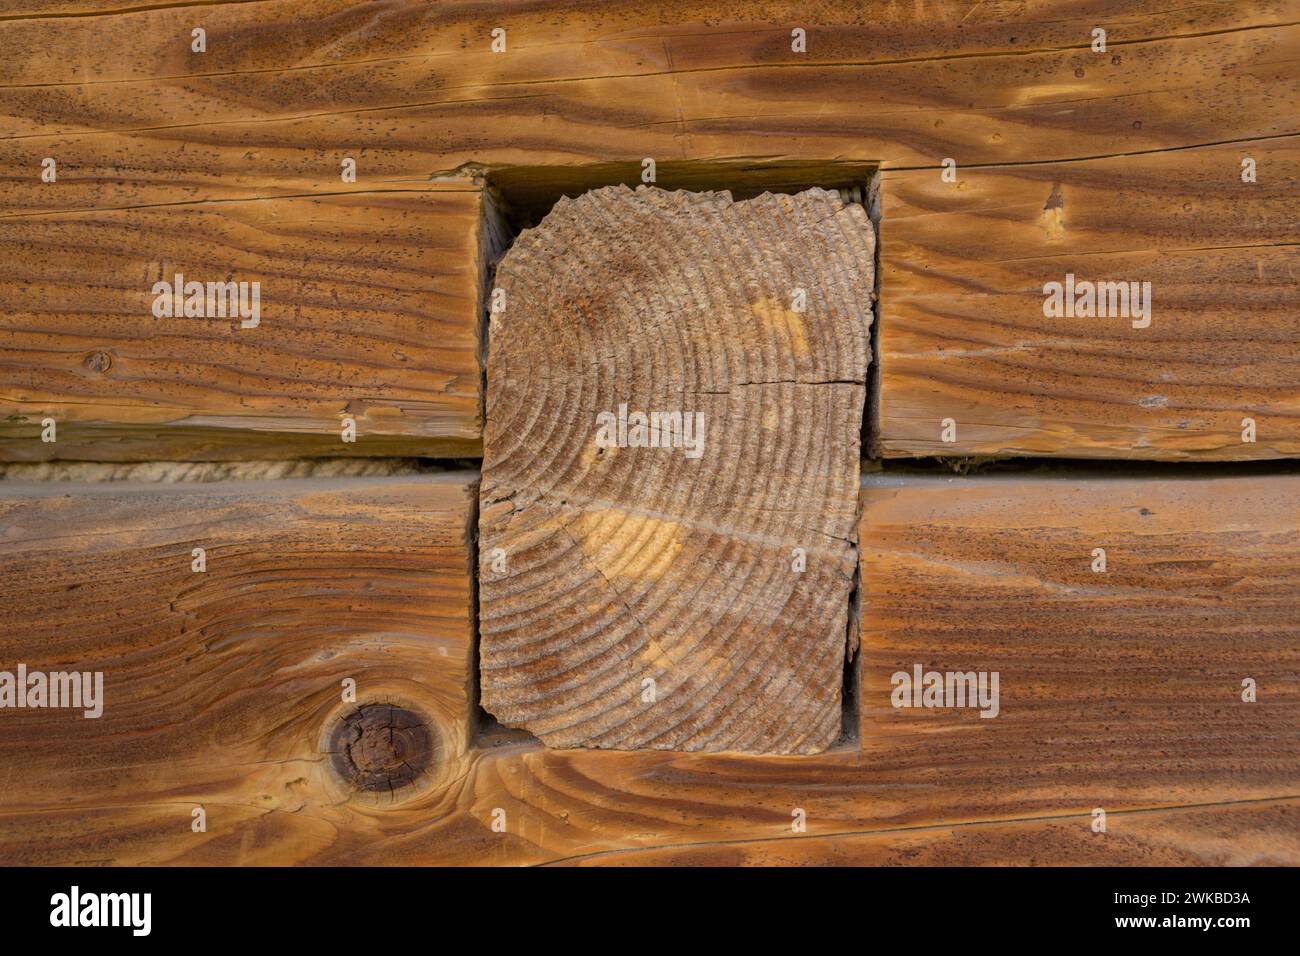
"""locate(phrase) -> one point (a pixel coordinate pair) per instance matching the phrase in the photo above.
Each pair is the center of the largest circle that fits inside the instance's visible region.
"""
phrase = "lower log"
(273, 657)
(1144, 634)
(1240, 834)
(1111, 695)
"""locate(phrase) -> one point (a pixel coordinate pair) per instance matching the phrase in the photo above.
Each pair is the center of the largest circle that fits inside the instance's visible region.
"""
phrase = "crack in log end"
(676, 385)
(381, 747)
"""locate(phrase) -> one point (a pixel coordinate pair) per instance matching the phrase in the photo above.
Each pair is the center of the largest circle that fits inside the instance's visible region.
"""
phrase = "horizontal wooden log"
(223, 690)
(971, 365)
(1119, 691)
(1129, 621)
(140, 120)
(367, 310)
(285, 89)
(1234, 834)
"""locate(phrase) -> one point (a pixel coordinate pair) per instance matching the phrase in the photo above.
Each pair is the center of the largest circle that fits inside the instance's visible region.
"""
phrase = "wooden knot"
(98, 361)
(380, 747)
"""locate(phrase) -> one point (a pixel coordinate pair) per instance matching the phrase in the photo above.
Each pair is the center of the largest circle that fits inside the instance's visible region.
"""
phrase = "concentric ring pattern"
(694, 596)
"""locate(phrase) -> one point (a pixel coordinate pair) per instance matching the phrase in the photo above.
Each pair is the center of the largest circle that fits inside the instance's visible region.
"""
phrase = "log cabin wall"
(360, 588)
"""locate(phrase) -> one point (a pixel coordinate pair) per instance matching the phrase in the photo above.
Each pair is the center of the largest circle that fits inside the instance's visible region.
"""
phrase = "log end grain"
(689, 592)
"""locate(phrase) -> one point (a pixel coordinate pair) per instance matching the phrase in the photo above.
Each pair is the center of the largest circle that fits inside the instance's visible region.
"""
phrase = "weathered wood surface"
(285, 85)
(368, 312)
(607, 808)
(1014, 94)
(1241, 834)
(1119, 691)
(718, 565)
(1127, 680)
(222, 689)
(963, 335)
(1145, 144)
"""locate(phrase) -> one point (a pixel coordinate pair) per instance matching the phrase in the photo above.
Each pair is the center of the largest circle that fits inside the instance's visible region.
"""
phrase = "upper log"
(287, 88)
(1209, 372)
(357, 308)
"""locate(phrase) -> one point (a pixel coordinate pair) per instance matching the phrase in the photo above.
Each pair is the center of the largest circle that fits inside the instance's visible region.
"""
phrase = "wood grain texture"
(621, 564)
(1242, 834)
(223, 689)
(606, 808)
(286, 88)
(593, 806)
(369, 310)
(1119, 691)
(1129, 678)
(963, 334)
(1144, 144)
